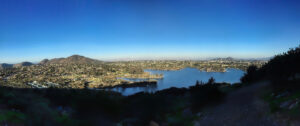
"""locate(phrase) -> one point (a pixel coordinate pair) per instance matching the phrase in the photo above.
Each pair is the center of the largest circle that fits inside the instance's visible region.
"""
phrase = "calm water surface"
(183, 78)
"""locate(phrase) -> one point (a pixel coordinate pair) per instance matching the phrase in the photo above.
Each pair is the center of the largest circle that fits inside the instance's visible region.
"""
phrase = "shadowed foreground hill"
(280, 69)
(242, 107)
(273, 102)
(283, 96)
(75, 107)
(74, 59)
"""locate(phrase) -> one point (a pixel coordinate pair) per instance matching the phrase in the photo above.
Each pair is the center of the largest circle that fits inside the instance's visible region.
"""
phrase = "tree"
(197, 83)
(86, 85)
(211, 80)
(250, 75)
(251, 69)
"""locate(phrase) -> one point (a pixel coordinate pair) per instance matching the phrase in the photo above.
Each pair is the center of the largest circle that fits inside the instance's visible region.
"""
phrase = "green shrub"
(12, 117)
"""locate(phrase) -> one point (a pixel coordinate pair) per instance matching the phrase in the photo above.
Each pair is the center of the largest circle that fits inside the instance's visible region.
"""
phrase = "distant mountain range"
(247, 59)
(5, 65)
(225, 59)
(74, 59)
(77, 59)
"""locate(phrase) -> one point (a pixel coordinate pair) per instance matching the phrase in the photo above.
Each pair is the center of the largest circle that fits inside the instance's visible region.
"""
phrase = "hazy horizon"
(144, 58)
(32, 30)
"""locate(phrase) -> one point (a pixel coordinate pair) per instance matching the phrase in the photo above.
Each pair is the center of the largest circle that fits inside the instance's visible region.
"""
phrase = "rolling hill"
(74, 59)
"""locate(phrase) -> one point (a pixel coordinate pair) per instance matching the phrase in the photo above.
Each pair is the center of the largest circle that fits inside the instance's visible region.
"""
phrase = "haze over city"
(148, 29)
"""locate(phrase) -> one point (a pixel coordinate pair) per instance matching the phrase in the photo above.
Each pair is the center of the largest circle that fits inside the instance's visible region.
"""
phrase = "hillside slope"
(74, 59)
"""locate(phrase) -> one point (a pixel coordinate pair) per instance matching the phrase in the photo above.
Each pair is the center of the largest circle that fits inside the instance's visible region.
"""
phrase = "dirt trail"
(240, 108)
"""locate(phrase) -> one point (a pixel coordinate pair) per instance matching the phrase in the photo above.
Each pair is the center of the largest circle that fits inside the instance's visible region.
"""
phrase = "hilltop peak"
(74, 59)
(75, 56)
(44, 61)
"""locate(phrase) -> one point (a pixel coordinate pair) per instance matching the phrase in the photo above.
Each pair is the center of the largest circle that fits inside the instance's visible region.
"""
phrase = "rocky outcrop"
(44, 61)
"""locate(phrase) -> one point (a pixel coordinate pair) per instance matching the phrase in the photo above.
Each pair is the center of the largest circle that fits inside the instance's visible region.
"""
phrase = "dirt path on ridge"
(242, 107)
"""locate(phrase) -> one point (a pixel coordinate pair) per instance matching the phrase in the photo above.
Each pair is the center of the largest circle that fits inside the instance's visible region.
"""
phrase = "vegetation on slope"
(283, 72)
(174, 106)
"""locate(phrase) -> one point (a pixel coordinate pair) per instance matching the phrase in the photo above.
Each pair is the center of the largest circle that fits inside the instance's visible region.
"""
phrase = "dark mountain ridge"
(23, 64)
(5, 65)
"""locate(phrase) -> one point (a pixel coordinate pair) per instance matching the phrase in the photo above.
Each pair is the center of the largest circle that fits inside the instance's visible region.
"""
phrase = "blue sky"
(31, 30)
